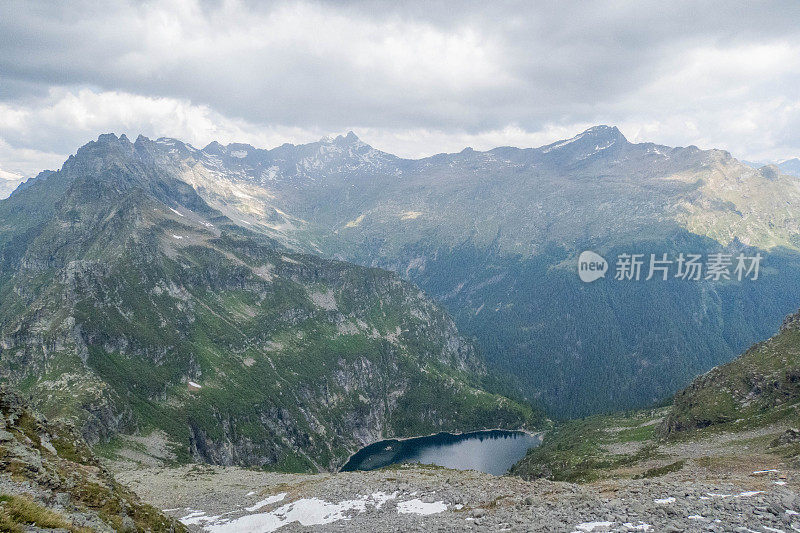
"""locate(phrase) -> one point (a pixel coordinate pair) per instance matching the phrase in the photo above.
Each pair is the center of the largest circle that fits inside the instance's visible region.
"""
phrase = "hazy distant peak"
(349, 139)
(214, 148)
(591, 141)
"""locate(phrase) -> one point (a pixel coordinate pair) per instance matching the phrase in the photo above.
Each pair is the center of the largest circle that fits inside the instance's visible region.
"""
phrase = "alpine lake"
(492, 451)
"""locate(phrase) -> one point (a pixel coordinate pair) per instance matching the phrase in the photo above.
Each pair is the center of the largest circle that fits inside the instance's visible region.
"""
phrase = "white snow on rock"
(417, 506)
(177, 212)
(718, 495)
(588, 527)
(239, 154)
(410, 215)
(306, 512)
(196, 518)
(641, 526)
(563, 143)
(664, 501)
(193, 384)
(749, 493)
(267, 501)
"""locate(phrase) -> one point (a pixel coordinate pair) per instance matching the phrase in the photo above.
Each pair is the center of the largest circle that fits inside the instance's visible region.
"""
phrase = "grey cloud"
(333, 65)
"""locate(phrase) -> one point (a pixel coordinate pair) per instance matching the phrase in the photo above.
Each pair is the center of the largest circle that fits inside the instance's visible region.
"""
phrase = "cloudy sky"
(414, 80)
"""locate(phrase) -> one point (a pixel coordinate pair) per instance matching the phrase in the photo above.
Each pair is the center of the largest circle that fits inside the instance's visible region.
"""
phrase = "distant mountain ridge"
(494, 235)
(328, 164)
(790, 166)
(9, 182)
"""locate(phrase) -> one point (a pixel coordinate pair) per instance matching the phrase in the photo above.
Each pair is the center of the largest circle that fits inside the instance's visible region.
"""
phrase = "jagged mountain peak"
(348, 138)
(593, 140)
(603, 130)
(214, 147)
(105, 138)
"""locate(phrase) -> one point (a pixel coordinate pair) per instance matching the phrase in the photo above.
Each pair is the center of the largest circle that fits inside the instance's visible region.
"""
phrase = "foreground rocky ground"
(627, 480)
(421, 498)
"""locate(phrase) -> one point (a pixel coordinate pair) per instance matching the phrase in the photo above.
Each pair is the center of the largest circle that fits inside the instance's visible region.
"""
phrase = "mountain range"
(495, 235)
(259, 307)
(787, 166)
(131, 305)
(8, 182)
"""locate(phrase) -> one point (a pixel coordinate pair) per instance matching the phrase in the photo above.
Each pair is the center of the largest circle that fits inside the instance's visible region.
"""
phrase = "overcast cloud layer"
(414, 80)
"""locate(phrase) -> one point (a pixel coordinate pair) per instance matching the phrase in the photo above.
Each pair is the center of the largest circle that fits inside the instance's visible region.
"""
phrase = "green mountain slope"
(759, 387)
(495, 237)
(733, 418)
(120, 286)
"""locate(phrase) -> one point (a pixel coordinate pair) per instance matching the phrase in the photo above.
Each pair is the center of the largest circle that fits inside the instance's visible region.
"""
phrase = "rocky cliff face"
(50, 479)
(130, 305)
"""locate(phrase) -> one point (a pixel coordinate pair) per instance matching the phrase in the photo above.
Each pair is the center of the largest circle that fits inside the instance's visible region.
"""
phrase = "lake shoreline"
(446, 438)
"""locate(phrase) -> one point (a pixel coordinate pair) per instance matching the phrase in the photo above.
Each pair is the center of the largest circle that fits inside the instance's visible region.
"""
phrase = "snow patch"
(410, 215)
(591, 526)
(750, 493)
(197, 517)
(177, 212)
(664, 501)
(356, 222)
(563, 143)
(307, 512)
(417, 506)
(267, 501)
(238, 154)
(287, 259)
(718, 495)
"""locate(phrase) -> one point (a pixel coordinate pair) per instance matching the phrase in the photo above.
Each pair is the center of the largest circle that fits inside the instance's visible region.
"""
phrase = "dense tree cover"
(609, 345)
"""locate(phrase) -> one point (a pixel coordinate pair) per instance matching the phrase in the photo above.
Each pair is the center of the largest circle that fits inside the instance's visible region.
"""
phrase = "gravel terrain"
(731, 497)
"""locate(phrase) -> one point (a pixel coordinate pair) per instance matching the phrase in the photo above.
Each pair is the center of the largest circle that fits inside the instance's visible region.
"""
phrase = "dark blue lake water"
(493, 452)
